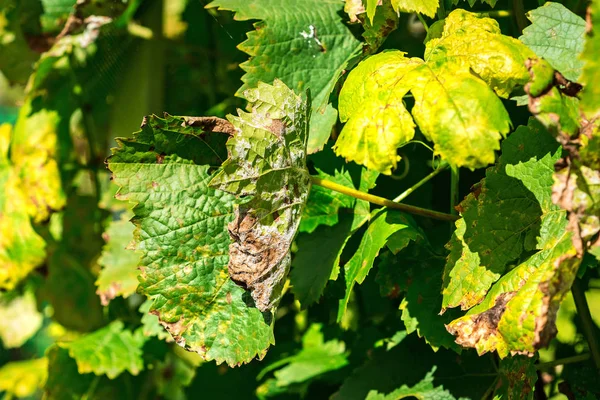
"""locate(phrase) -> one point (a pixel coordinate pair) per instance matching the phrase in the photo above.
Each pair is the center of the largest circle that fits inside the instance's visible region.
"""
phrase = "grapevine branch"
(587, 323)
(385, 202)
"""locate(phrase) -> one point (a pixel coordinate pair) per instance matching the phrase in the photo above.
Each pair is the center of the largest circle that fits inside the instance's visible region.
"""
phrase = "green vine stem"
(382, 201)
(417, 185)
(454, 177)
(563, 361)
(519, 13)
(583, 310)
(423, 22)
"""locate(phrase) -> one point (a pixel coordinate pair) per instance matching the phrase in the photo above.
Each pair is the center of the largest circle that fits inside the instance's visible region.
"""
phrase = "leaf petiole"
(382, 201)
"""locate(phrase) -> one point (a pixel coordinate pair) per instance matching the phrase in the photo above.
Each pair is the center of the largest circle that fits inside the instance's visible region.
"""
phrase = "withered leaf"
(266, 169)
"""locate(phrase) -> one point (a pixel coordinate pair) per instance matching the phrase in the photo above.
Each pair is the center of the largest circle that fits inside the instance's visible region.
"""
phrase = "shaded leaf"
(16, 58)
(517, 377)
(424, 390)
(118, 276)
(151, 324)
(383, 224)
(165, 169)
(316, 358)
(108, 351)
(305, 44)
(556, 34)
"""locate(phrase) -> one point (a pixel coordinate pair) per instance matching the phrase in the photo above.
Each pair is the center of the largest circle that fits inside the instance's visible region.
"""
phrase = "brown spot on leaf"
(210, 124)
(277, 127)
(160, 158)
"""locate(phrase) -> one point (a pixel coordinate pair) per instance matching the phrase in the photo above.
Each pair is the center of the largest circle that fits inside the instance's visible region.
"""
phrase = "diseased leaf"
(267, 169)
(517, 316)
(556, 34)
(424, 390)
(108, 351)
(383, 224)
(21, 248)
(181, 230)
(510, 212)
(23, 378)
(517, 377)
(590, 97)
(577, 179)
(306, 44)
(151, 325)
(119, 273)
(20, 319)
(316, 358)
(458, 110)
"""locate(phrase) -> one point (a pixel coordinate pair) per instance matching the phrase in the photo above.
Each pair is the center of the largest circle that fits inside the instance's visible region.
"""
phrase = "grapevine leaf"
(318, 258)
(517, 316)
(516, 378)
(305, 44)
(424, 390)
(590, 98)
(23, 378)
(21, 248)
(20, 319)
(427, 7)
(108, 351)
(577, 179)
(181, 230)
(383, 224)
(267, 167)
(417, 274)
(510, 212)
(65, 382)
(118, 276)
(377, 120)
(323, 205)
(556, 34)
(172, 376)
(580, 381)
(465, 130)
(151, 324)
(385, 371)
(16, 58)
(316, 358)
(472, 2)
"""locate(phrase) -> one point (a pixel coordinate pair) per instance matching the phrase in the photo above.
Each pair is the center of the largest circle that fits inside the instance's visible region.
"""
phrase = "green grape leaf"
(23, 378)
(319, 252)
(382, 225)
(472, 2)
(323, 205)
(590, 98)
(424, 390)
(118, 276)
(556, 34)
(108, 351)
(65, 382)
(165, 169)
(466, 130)
(20, 319)
(510, 212)
(16, 58)
(316, 358)
(305, 44)
(151, 324)
(267, 168)
(172, 376)
(580, 381)
(516, 378)
(21, 248)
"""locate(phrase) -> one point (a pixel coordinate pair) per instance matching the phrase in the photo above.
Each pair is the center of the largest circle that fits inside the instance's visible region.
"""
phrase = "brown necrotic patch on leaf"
(210, 124)
(482, 326)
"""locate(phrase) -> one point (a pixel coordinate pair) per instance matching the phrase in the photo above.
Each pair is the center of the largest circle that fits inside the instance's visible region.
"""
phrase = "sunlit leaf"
(23, 378)
(20, 319)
